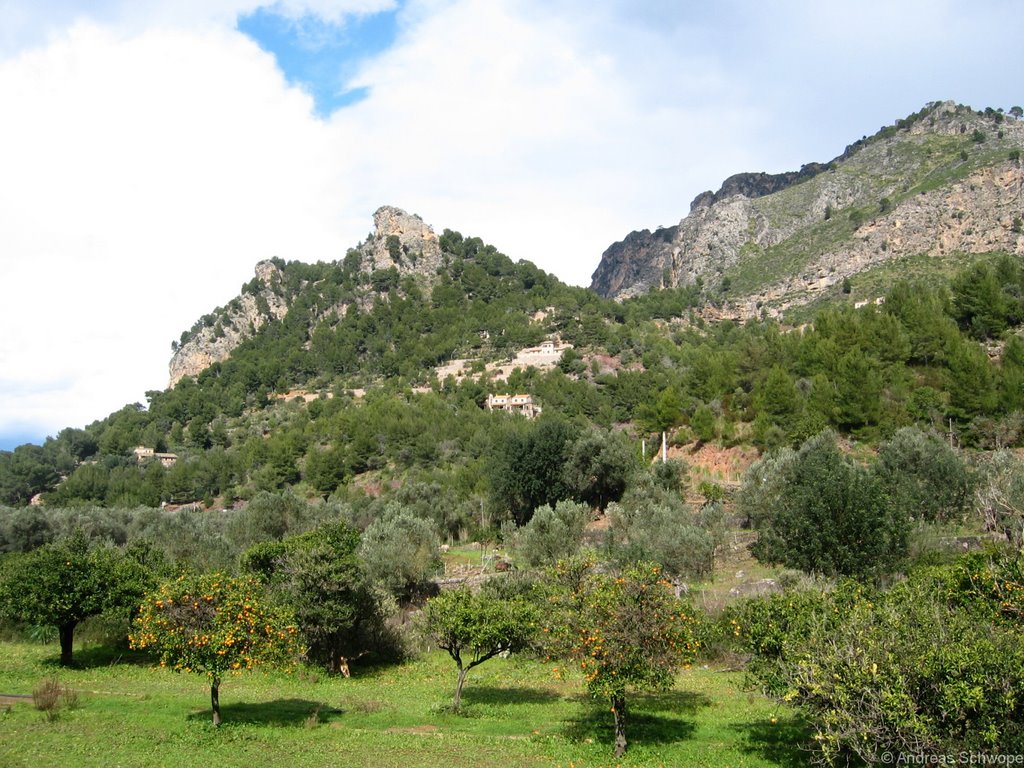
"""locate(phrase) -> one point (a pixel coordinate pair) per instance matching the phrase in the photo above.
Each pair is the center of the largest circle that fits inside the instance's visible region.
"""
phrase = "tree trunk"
(67, 637)
(457, 703)
(215, 701)
(619, 708)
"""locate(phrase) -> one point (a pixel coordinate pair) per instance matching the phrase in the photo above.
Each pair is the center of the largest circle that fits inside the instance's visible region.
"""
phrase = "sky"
(153, 151)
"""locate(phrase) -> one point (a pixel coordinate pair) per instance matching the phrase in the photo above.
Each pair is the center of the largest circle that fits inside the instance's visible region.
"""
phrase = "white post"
(664, 449)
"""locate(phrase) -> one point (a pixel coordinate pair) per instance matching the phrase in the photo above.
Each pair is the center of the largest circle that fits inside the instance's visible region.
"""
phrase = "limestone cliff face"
(403, 241)
(948, 181)
(400, 240)
(215, 337)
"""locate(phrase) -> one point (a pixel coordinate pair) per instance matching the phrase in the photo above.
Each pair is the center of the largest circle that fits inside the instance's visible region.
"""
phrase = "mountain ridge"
(769, 242)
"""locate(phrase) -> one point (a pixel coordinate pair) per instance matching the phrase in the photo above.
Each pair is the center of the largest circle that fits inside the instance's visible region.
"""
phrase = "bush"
(670, 475)
(923, 475)
(50, 696)
(711, 491)
(821, 512)
(775, 630)
(912, 674)
(933, 666)
(553, 533)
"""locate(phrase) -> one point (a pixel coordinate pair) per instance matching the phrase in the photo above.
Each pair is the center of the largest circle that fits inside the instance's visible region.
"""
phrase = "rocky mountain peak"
(401, 240)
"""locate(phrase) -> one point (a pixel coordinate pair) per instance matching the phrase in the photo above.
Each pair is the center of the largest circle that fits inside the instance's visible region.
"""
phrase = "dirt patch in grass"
(421, 730)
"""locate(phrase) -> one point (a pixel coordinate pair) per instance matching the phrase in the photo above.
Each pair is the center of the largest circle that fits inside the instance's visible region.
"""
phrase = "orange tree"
(63, 583)
(627, 631)
(475, 627)
(214, 625)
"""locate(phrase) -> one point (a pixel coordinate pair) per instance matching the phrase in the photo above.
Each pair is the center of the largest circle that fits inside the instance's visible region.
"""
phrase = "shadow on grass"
(784, 742)
(644, 724)
(280, 713)
(96, 656)
(485, 694)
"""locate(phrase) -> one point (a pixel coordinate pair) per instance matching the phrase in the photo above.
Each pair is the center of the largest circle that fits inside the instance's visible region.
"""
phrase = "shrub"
(775, 630)
(50, 696)
(923, 475)
(912, 674)
(932, 666)
(553, 533)
(710, 491)
(821, 512)
(670, 475)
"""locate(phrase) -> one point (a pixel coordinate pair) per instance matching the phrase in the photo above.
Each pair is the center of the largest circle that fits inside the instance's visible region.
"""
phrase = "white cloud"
(143, 178)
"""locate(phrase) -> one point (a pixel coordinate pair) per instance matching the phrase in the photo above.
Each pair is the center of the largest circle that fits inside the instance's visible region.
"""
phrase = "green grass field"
(517, 713)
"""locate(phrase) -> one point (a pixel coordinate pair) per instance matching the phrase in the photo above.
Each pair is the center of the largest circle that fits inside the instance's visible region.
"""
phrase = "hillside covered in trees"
(373, 415)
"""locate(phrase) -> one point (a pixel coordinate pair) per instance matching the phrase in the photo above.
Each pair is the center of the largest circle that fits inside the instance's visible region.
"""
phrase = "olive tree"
(923, 475)
(820, 511)
(401, 552)
(553, 532)
(320, 576)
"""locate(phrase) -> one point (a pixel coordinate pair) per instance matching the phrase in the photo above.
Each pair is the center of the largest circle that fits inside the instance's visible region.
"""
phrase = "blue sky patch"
(9, 440)
(322, 56)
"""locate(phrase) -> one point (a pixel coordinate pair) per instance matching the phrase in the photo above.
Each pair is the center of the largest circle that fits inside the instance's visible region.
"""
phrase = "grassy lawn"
(517, 713)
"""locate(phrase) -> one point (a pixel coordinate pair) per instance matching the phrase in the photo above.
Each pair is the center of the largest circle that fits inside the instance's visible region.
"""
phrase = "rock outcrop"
(948, 181)
(400, 240)
(758, 184)
(215, 337)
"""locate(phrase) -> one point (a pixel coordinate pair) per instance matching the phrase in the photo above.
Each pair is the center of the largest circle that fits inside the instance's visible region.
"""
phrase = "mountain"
(400, 244)
(920, 194)
(370, 376)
